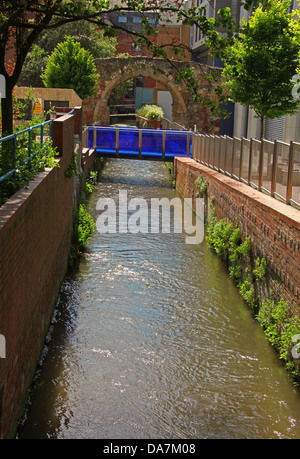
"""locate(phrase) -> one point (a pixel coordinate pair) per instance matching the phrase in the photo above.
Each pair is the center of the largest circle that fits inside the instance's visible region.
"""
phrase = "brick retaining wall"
(274, 227)
(35, 236)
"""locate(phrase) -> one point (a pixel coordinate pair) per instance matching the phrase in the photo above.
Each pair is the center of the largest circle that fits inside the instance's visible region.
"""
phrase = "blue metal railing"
(139, 143)
(13, 140)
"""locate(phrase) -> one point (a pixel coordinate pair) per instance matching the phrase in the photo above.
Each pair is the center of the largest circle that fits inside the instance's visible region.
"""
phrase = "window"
(122, 19)
(136, 20)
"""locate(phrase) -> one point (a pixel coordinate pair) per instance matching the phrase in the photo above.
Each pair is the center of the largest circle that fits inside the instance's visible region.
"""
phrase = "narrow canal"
(151, 340)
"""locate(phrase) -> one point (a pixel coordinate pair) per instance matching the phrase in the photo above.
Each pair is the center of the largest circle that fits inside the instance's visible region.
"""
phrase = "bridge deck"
(133, 143)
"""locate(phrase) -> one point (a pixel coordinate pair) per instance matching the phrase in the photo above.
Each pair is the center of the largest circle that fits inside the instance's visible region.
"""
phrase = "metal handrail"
(30, 154)
(214, 151)
(163, 133)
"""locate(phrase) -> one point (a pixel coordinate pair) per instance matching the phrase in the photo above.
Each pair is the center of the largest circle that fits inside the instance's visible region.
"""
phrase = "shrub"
(151, 112)
(84, 227)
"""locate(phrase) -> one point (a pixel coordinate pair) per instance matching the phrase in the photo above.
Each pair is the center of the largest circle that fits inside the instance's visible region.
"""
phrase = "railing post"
(289, 183)
(164, 144)
(140, 142)
(274, 168)
(250, 162)
(188, 143)
(29, 145)
(233, 156)
(42, 134)
(95, 138)
(260, 164)
(14, 152)
(117, 141)
(241, 160)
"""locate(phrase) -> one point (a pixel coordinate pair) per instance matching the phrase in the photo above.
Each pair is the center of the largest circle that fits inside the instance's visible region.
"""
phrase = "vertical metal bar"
(233, 156)
(117, 141)
(212, 155)
(222, 140)
(14, 153)
(140, 142)
(29, 145)
(250, 161)
(241, 159)
(164, 144)
(274, 168)
(188, 143)
(95, 138)
(193, 144)
(260, 164)
(289, 183)
(42, 134)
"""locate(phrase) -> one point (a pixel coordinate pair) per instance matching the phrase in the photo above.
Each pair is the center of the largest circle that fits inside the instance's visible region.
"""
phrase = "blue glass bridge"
(134, 143)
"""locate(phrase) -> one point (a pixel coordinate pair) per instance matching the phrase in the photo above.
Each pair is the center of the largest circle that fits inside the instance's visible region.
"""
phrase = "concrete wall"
(274, 227)
(35, 236)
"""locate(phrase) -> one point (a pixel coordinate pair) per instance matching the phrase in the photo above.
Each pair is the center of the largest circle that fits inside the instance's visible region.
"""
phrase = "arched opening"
(164, 92)
(130, 95)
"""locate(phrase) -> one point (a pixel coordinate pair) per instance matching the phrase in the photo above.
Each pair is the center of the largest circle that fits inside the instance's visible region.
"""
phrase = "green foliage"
(71, 66)
(280, 329)
(220, 236)
(88, 35)
(245, 248)
(169, 166)
(90, 182)
(48, 17)
(34, 65)
(72, 167)
(84, 227)
(151, 112)
(247, 292)
(26, 169)
(260, 270)
(260, 64)
(202, 184)
(226, 241)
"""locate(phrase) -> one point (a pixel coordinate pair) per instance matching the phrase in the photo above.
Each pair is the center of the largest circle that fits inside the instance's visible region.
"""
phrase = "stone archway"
(185, 110)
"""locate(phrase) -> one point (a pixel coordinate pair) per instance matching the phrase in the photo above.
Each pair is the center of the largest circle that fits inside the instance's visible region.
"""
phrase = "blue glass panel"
(129, 142)
(91, 137)
(106, 140)
(176, 143)
(152, 144)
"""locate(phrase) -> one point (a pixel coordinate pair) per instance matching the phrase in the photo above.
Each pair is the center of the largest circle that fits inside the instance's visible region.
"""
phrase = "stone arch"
(114, 71)
(179, 108)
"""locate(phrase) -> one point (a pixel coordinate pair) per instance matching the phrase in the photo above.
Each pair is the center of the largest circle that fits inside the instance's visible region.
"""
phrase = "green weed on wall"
(251, 276)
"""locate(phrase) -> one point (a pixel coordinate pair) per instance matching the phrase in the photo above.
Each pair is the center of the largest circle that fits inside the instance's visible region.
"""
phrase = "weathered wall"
(35, 236)
(185, 111)
(274, 227)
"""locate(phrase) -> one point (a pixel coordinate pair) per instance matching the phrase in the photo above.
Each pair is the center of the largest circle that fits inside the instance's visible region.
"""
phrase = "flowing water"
(151, 340)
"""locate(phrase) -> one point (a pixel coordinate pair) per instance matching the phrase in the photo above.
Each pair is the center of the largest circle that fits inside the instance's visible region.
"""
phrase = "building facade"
(241, 122)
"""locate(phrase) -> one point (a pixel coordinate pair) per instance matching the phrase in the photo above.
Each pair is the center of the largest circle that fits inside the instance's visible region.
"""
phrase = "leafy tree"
(34, 66)
(71, 66)
(261, 63)
(89, 37)
(23, 21)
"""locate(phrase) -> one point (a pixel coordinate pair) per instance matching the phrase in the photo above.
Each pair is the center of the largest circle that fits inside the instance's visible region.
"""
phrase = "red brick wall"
(274, 227)
(35, 235)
